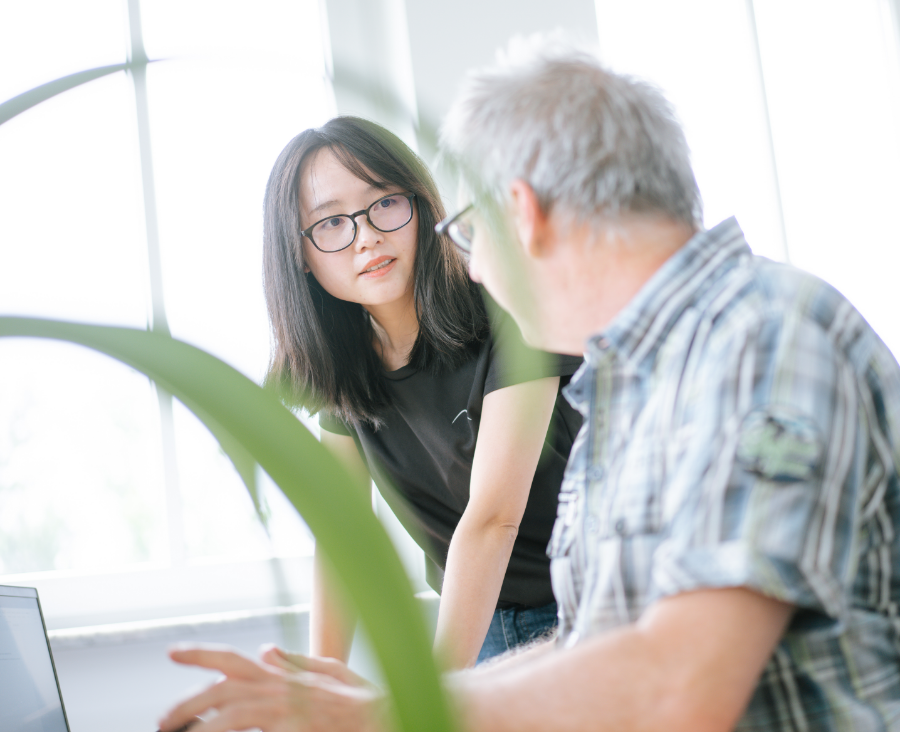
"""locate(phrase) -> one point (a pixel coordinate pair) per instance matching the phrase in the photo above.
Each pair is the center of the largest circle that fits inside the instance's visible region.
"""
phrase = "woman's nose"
(366, 234)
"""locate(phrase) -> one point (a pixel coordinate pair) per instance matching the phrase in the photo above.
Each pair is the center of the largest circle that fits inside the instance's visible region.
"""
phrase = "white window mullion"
(770, 145)
(137, 56)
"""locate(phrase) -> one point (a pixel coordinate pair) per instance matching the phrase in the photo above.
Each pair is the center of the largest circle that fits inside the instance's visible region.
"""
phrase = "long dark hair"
(322, 355)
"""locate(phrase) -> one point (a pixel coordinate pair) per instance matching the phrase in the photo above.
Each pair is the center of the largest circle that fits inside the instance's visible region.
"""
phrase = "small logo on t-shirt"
(464, 411)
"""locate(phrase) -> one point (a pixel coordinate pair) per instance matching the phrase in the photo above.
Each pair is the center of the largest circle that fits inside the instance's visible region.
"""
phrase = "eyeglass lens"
(461, 233)
(386, 214)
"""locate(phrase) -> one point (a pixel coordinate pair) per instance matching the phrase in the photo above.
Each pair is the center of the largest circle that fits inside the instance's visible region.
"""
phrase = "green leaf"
(321, 489)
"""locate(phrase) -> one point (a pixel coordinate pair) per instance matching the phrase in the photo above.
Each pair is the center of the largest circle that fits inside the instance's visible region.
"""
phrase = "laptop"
(30, 699)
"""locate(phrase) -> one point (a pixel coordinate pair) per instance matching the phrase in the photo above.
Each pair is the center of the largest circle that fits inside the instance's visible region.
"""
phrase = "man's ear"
(528, 217)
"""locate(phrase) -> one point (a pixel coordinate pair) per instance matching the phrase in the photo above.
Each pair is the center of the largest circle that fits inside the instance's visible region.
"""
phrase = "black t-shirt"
(421, 457)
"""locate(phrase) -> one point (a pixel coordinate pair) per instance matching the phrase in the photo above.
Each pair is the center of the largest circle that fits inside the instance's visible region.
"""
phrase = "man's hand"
(284, 693)
(296, 663)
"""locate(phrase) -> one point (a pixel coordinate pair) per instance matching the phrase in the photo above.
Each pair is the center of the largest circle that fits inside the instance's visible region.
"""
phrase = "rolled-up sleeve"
(766, 494)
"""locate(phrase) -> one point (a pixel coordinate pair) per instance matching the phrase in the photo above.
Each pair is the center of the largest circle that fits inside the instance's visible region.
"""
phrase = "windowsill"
(170, 629)
(174, 629)
(71, 600)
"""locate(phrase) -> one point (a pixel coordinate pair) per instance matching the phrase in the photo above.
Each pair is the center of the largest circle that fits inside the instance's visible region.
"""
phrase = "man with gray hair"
(724, 554)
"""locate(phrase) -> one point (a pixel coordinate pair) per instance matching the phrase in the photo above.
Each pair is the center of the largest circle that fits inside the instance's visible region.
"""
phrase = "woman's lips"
(383, 265)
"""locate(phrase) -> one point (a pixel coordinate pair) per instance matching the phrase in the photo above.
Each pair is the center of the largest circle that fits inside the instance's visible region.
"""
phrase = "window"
(791, 111)
(99, 474)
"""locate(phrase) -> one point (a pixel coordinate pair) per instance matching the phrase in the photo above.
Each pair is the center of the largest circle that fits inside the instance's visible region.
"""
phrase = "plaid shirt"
(741, 429)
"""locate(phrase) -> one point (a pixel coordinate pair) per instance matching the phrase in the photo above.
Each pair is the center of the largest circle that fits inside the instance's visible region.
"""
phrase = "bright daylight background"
(792, 109)
(818, 185)
(81, 473)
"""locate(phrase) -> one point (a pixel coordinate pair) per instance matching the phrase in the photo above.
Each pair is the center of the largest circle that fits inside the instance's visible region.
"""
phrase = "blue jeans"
(515, 626)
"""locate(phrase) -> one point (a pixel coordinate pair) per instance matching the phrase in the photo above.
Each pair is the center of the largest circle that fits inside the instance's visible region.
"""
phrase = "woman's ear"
(529, 218)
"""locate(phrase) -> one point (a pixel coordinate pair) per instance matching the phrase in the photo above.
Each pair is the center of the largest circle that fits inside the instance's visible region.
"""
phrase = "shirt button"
(596, 473)
(602, 343)
(620, 527)
(592, 525)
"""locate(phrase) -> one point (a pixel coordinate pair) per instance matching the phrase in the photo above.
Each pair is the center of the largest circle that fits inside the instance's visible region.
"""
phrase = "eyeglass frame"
(443, 228)
(307, 232)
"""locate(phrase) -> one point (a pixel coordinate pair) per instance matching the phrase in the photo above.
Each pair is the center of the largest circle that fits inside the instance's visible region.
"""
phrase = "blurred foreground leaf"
(256, 426)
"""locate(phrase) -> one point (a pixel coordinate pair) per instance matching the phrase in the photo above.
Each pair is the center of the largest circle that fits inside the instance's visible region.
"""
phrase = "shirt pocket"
(632, 510)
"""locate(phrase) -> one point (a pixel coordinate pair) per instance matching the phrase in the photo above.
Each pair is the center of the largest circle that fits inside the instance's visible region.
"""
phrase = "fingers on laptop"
(229, 662)
(295, 662)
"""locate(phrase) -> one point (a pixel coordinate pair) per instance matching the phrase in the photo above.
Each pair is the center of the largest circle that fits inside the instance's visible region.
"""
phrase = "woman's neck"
(396, 328)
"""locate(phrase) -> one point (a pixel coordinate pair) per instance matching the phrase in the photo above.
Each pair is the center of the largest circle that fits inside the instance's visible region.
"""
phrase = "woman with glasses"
(378, 329)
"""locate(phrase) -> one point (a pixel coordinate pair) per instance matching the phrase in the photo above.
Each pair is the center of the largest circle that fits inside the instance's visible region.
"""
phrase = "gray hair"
(590, 142)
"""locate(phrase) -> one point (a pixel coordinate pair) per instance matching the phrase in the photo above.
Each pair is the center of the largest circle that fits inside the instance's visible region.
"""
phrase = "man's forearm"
(691, 663)
(585, 688)
(523, 654)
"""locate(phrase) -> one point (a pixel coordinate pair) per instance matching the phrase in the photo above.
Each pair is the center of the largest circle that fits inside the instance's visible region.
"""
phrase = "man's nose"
(474, 272)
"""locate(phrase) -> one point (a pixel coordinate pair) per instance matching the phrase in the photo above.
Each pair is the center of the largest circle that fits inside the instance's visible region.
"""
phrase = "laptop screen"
(29, 695)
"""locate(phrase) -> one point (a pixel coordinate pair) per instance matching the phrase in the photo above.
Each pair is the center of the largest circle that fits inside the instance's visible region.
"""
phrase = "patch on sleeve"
(780, 445)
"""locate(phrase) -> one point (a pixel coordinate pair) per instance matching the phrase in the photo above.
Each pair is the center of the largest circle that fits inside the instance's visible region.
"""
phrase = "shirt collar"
(647, 318)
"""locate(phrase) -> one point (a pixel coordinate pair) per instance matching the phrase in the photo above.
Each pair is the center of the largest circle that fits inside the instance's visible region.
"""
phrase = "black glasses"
(458, 229)
(387, 214)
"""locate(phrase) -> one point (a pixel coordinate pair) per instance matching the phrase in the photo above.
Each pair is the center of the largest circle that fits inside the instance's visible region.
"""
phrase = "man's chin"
(533, 336)
(549, 342)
